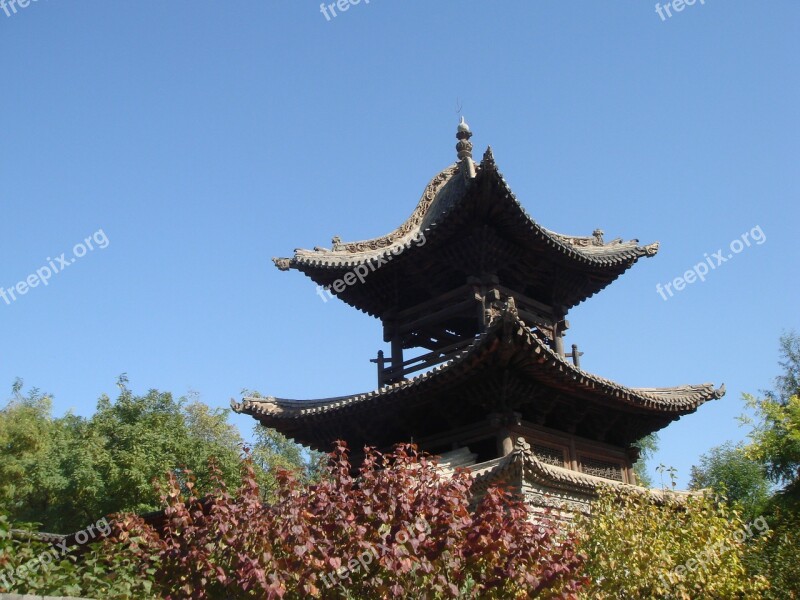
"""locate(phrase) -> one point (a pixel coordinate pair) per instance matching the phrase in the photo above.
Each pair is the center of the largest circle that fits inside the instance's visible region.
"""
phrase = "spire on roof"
(464, 149)
(464, 146)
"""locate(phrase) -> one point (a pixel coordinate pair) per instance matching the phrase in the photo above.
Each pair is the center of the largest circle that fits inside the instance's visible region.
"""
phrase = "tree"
(146, 436)
(64, 472)
(640, 546)
(788, 383)
(775, 442)
(779, 560)
(401, 528)
(26, 436)
(647, 447)
(775, 435)
(731, 473)
(273, 451)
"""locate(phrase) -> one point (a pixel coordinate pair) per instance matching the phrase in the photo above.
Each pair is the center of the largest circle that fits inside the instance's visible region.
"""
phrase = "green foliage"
(779, 561)
(743, 472)
(400, 529)
(65, 472)
(25, 439)
(775, 438)
(639, 547)
(775, 441)
(775, 444)
(272, 451)
(730, 472)
(34, 567)
(788, 383)
(647, 447)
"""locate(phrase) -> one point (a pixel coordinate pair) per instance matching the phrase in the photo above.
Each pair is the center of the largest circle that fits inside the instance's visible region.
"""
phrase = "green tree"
(775, 434)
(64, 472)
(26, 436)
(147, 436)
(779, 560)
(68, 471)
(775, 443)
(273, 451)
(647, 447)
(788, 383)
(730, 472)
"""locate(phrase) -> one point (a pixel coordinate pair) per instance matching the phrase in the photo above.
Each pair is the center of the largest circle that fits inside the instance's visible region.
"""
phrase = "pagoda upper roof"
(469, 221)
(508, 367)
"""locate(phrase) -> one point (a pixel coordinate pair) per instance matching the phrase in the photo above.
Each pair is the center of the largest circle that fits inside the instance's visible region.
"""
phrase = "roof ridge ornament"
(522, 445)
(651, 249)
(464, 149)
(488, 157)
(284, 264)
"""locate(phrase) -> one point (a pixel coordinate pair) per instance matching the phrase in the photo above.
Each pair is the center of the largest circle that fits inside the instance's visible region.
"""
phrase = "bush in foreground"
(399, 529)
(693, 548)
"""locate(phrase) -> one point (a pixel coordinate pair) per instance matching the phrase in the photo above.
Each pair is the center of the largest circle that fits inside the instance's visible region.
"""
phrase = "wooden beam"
(524, 300)
(453, 310)
(459, 292)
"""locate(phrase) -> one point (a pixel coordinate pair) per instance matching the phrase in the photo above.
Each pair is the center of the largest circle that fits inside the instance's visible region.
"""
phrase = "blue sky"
(204, 138)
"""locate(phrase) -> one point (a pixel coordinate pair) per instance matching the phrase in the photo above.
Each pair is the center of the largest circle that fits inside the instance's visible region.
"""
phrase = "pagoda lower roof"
(522, 466)
(509, 367)
(469, 223)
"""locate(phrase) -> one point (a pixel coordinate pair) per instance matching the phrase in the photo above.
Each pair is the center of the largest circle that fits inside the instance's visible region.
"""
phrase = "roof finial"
(464, 146)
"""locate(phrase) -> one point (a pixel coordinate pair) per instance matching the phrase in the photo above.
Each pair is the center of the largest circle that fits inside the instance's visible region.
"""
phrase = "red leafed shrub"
(399, 529)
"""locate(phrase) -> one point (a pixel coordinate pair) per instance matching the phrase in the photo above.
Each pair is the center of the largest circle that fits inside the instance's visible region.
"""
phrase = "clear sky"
(196, 140)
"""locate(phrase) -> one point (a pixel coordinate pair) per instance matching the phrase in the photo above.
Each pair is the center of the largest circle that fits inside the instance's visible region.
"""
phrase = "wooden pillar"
(631, 476)
(576, 356)
(573, 454)
(391, 334)
(479, 294)
(381, 362)
(633, 455)
(505, 442)
(559, 329)
(397, 356)
(559, 341)
(505, 423)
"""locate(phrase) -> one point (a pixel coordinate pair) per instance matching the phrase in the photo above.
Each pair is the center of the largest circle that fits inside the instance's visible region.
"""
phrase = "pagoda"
(473, 295)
